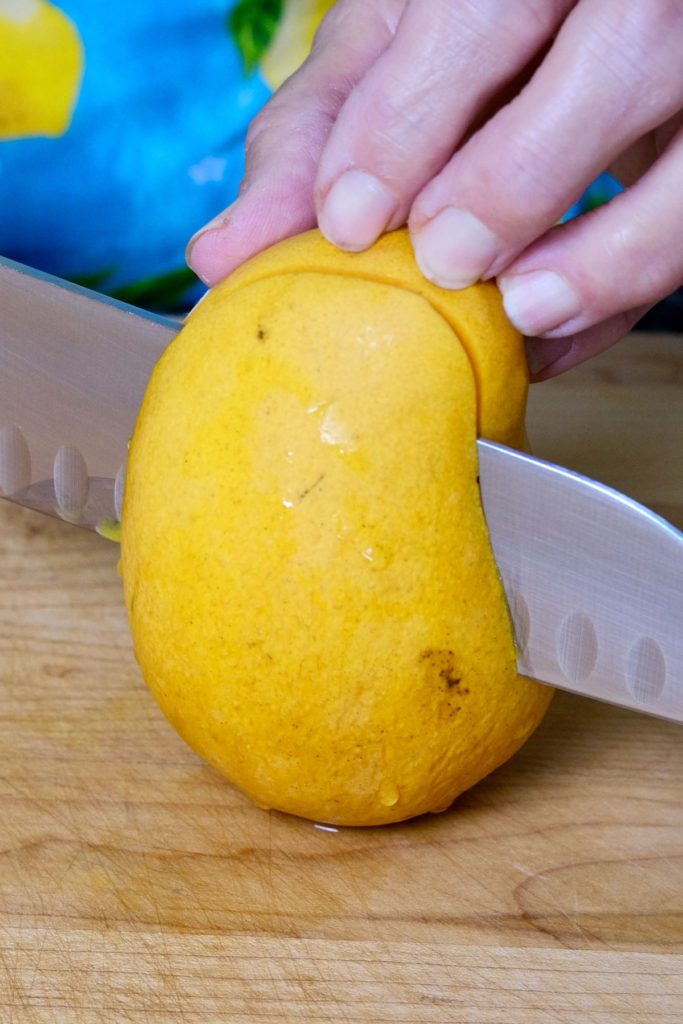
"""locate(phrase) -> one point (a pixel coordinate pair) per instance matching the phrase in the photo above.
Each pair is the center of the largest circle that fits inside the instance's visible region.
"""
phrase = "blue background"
(154, 150)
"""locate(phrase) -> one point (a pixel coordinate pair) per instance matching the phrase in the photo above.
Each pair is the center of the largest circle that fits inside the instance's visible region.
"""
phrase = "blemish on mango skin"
(311, 487)
(441, 668)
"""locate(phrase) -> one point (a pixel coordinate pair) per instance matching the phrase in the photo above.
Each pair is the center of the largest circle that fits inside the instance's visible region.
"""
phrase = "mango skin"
(311, 589)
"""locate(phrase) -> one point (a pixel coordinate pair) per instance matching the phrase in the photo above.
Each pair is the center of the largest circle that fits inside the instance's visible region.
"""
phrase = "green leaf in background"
(171, 292)
(166, 293)
(596, 197)
(97, 281)
(252, 24)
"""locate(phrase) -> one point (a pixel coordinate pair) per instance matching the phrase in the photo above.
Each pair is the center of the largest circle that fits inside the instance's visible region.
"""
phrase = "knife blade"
(594, 580)
(73, 369)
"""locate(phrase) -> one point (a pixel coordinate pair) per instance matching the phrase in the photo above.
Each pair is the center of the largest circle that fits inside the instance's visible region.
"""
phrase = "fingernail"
(220, 221)
(205, 253)
(540, 354)
(356, 211)
(454, 248)
(539, 300)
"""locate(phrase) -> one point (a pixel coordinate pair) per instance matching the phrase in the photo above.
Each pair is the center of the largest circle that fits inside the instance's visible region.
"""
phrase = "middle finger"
(403, 120)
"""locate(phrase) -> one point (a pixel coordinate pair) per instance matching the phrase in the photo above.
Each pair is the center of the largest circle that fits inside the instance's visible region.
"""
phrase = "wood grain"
(136, 885)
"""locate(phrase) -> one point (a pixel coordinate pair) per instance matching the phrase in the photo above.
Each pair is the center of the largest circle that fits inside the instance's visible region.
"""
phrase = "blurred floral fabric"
(122, 130)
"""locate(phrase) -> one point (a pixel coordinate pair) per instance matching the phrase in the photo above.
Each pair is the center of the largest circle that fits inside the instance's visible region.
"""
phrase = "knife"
(594, 581)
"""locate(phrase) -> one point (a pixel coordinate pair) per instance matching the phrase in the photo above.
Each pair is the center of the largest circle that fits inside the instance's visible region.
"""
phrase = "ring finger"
(606, 82)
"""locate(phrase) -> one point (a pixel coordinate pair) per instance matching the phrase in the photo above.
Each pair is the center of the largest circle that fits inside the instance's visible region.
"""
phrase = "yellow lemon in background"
(310, 584)
(293, 39)
(40, 71)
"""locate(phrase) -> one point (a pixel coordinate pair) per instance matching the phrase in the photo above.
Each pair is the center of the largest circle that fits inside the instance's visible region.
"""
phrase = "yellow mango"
(311, 589)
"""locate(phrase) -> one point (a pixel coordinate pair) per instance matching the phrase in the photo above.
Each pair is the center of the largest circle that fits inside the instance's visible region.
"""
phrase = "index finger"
(286, 139)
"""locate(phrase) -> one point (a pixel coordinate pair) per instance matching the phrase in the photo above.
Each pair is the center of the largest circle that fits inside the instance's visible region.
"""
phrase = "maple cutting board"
(138, 886)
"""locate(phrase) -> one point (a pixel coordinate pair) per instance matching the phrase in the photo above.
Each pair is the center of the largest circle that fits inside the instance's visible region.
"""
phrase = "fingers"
(613, 74)
(285, 141)
(621, 256)
(402, 122)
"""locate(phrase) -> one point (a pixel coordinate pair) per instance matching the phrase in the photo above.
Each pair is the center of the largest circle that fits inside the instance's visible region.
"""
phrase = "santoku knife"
(594, 581)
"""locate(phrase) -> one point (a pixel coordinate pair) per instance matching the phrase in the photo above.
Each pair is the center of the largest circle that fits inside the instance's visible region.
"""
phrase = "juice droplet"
(334, 432)
(110, 529)
(388, 794)
(378, 557)
(317, 407)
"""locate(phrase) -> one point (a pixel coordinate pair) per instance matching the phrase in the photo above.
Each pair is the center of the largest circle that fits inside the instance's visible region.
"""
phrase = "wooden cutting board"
(137, 885)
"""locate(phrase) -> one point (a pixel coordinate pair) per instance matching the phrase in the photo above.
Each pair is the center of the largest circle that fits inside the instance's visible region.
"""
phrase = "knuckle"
(398, 133)
(639, 44)
(526, 21)
(349, 17)
(332, 23)
(263, 122)
(640, 269)
(537, 18)
(527, 174)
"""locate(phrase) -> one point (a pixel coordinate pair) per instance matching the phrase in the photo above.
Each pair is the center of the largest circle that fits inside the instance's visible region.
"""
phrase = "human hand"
(479, 123)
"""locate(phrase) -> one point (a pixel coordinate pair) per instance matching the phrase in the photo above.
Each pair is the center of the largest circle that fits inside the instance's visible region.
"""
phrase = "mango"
(311, 589)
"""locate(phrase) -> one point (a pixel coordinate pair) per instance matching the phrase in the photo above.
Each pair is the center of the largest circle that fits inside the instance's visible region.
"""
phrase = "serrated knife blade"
(594, 580)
